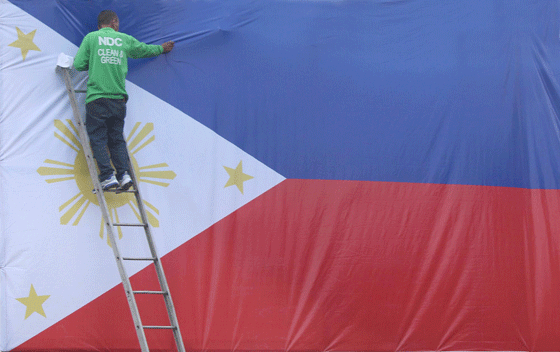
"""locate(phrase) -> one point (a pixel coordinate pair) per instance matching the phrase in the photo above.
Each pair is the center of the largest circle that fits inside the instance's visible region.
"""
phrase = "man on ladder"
(104, 53)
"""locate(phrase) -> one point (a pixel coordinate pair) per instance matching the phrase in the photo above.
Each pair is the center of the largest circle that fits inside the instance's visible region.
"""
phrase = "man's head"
(108, 18)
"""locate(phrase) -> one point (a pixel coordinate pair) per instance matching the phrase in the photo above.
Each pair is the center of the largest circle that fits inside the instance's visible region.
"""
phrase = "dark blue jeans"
(104, 124)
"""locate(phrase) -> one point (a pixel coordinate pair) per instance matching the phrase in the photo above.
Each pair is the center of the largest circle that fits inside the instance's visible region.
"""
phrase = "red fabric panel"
(348, 265)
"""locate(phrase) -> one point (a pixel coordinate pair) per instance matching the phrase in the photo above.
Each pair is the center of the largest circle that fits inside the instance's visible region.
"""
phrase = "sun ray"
(66, 131)
(153, 138)
(136, 125)
(151, 217)
(155, 166)
(133, 207)
(66, 142)
(149, 127)
(55, 162)
(69, 201)
(53, 180)
(65, 219)
(163, 184)
(168, 175)
(52, 171)
(77, 221)
(156, 210)
(71, 124)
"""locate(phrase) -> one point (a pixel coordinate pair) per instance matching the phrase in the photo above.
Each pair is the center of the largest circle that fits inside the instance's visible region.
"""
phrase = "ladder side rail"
(157, 263)
(104, 210)
(84, 138)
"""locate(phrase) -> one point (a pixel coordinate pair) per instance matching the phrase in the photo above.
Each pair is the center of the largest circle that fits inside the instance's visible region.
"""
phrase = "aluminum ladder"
(110, 225)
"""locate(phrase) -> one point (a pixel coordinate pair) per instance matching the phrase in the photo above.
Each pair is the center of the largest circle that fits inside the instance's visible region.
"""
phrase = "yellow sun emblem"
(76, 206)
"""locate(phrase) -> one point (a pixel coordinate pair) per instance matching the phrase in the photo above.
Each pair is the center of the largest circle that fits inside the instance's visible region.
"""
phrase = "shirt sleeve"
(139, 50)
(81, 61)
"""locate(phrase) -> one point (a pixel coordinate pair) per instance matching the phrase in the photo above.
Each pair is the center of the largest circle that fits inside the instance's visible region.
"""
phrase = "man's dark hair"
(105, 17)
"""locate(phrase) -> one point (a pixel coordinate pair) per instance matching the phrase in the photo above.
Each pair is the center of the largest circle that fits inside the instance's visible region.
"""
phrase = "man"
(104, 54)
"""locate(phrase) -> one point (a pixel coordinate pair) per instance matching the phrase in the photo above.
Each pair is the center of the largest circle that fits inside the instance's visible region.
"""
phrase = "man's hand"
(167, 46)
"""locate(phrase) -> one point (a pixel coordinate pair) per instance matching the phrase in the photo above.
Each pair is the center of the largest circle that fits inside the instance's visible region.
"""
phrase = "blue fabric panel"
(431, 91)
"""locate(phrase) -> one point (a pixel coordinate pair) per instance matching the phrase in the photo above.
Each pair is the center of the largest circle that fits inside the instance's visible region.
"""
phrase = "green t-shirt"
(104, 53)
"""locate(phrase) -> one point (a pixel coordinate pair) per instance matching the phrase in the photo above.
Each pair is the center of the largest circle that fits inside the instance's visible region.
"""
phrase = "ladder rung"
(150, 292)
(157, 327)
(129, 258)
(125, 224)
(116, 190)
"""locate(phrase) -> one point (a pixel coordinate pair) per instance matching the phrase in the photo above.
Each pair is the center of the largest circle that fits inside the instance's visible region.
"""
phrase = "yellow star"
(33, 303)
(237, 177)
(25, 42)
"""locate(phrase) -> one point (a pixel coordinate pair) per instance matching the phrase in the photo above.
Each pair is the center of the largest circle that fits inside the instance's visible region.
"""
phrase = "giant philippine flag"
(319, 175)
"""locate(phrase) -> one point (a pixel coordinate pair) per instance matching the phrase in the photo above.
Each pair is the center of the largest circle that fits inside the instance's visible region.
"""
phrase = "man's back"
(104, 53)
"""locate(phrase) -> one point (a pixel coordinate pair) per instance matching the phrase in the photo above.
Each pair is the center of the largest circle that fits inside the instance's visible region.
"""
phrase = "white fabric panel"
(50, 224)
